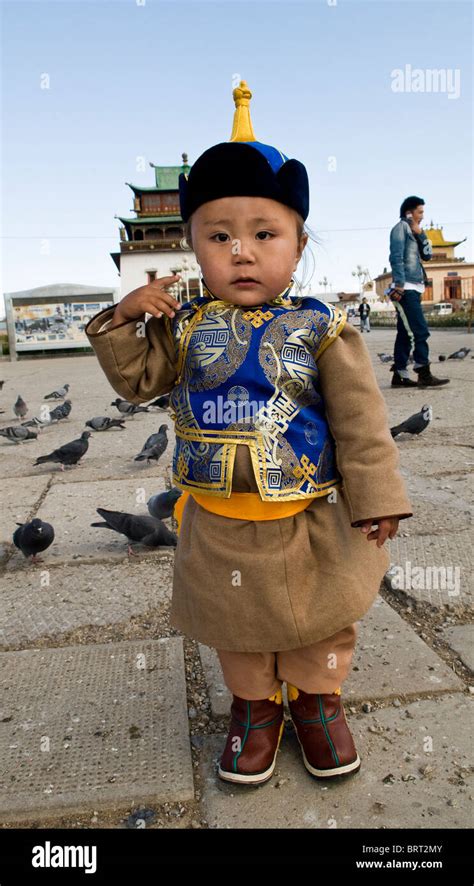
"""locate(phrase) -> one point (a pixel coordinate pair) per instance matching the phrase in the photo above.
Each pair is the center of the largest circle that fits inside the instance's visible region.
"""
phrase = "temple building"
(153, 245)
(450, 277)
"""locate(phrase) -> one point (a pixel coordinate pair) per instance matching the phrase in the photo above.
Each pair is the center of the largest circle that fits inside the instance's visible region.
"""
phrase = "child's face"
(246, 237)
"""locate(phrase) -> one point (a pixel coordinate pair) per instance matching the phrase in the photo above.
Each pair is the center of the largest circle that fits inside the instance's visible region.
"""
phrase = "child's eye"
(221, 234)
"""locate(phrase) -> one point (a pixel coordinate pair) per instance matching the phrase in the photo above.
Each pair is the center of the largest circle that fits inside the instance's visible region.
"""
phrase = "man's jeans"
(412, 331)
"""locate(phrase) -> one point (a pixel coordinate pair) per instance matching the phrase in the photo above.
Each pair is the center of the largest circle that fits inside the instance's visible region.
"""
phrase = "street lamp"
(185, 271)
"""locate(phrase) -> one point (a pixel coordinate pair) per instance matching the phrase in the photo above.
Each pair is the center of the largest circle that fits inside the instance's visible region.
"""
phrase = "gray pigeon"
(103, 423)
(460, 355)
(385, 358)
(69, 454)
(61, 412)
(162, 504)
(59, 394)
(30, 538)
(36, 423)
(20, 408)
(158, 442)
(17, 434)
(128, 408)
(139, 528)
(415, 424)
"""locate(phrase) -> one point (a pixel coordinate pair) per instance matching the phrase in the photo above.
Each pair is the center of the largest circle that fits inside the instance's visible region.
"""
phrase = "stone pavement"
(105, 708)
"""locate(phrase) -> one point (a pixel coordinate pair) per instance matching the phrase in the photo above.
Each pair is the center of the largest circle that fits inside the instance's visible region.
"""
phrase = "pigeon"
(460, 355)
(415, 424)
(103, 423)
(60, 412)
(139, 528)
(30, 538)
(18, 434)
(162, 504)
(59, 394)
(70, 453)
(385, 358)
(36, 423)
(162, 402)
(20, 408)
(154, 438)
(158, 442)
(128, 408)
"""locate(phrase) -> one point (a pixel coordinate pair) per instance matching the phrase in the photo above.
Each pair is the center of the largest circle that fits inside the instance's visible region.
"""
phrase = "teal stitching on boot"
(323, 721)
(316, 720)
(247, 728)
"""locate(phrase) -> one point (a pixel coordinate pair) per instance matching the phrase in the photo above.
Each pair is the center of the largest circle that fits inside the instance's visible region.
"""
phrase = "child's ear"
(301, 246)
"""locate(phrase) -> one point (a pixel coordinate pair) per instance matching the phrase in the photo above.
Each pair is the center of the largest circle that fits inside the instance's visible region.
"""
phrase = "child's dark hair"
(301, 228)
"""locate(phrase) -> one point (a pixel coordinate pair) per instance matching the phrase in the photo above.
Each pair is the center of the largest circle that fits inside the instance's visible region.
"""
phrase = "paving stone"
(433, 569)
(71, 508)
(461, 639)
(93, 727)
(390, 661)
(38, 601)
(423, 788)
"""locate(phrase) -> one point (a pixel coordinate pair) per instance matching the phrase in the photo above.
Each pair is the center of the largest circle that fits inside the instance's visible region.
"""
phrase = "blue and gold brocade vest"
(250, 376)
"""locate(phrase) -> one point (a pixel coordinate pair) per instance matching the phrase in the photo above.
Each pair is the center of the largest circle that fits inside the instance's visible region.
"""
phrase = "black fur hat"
(244, 167)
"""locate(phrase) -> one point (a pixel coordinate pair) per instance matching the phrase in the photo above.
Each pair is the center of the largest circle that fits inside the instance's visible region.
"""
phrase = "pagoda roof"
(437, 237)
(149, 218)
(137, 189)
(166, 178)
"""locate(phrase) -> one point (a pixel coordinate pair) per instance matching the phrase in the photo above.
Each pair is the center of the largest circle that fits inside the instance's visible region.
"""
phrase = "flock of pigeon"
(36, 536)
(458, 355)
(146, 529)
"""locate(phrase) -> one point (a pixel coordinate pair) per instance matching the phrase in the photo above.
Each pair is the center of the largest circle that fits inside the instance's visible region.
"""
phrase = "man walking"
(364, 311)
(408, 245)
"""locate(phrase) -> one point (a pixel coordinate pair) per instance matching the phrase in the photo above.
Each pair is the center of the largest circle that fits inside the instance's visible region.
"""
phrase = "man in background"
(364, 311)
(408, 246)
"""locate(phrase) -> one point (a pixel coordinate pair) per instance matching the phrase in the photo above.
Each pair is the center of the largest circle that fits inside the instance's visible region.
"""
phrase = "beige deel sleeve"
(138, 358)
(367, 455)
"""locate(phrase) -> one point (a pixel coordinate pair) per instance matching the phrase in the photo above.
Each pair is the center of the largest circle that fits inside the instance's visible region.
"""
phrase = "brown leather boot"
(254, 737)
(322, 731)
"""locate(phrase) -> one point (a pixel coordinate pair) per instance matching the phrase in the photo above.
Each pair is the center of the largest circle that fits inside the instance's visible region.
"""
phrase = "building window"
(427, 295)
(452, 288)
(151, 276)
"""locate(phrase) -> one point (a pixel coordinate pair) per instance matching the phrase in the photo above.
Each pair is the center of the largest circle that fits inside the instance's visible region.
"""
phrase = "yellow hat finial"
(242, 130)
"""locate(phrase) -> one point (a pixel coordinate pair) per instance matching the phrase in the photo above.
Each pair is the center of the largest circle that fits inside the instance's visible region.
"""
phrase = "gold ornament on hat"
(242, 129)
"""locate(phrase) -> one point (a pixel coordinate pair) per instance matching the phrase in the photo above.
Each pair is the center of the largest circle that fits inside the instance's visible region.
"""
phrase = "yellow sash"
(242, 506)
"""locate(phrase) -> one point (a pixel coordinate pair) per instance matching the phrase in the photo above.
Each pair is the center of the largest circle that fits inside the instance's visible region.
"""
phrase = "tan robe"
(270, 585)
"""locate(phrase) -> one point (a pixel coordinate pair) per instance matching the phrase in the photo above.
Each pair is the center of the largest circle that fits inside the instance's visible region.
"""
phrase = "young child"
(283, 453)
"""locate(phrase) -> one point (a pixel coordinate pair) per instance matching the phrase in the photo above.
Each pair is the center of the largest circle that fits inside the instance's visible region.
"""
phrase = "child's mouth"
(245, 283)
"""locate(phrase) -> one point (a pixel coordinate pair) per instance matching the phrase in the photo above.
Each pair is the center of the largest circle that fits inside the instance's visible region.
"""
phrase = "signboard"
(55, 324)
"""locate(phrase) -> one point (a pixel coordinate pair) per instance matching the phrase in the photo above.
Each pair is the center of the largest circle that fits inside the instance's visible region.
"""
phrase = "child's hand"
(151, 299)
(387, 528)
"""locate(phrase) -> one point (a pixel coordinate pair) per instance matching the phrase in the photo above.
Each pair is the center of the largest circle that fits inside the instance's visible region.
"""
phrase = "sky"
(94, 91)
